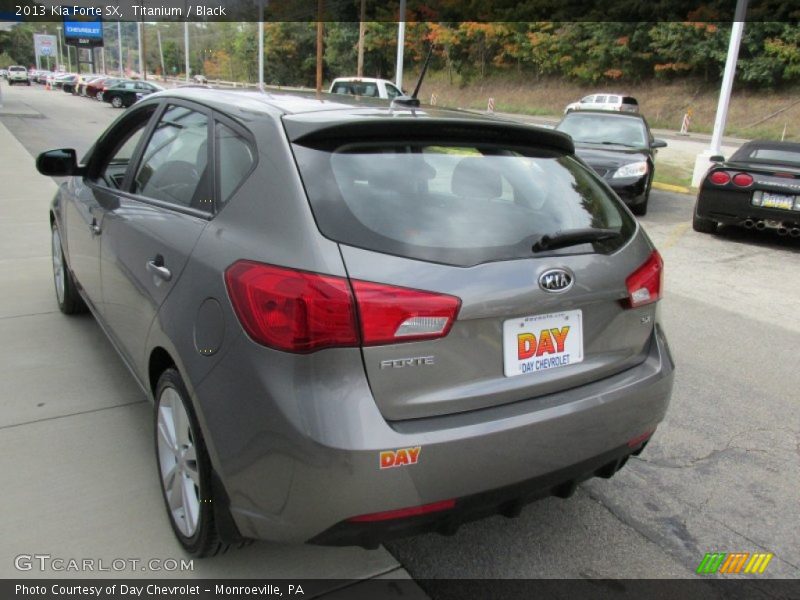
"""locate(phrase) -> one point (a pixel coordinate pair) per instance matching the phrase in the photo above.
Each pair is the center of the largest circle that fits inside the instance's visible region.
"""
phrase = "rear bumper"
(507, 501)
(734, 208)
(296, 471)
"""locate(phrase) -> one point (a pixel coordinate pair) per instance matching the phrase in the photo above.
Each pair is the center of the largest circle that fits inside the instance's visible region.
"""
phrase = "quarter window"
(235, 157)
(174, 165)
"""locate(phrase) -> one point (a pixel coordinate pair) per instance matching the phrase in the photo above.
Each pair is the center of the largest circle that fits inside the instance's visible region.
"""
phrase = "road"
(720, 474)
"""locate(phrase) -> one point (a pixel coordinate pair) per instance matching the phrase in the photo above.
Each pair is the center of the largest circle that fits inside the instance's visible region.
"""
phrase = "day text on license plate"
(542, 342)
(770, 200)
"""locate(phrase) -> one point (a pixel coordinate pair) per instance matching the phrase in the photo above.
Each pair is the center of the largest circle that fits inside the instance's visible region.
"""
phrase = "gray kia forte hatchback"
(359, 321)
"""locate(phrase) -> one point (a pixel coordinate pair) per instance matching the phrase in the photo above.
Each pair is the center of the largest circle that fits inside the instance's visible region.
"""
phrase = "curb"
(668, 187)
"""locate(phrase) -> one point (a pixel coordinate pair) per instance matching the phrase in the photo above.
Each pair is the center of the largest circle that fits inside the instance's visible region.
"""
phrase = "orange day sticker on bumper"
(400, 457)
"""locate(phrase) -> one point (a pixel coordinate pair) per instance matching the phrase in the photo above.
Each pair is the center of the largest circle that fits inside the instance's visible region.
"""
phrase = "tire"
(116, 102)
(67, 296)
(702, 225)
(186, 483)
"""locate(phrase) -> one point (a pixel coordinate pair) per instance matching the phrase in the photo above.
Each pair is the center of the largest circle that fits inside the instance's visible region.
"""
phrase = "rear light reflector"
(743, 179)
(290, 310)
(645, 283)
(640, 439)
(719, 178)
(391, 314)
(402, 513)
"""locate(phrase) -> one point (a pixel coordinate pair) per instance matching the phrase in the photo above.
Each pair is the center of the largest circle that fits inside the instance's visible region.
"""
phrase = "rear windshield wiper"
(572, 237)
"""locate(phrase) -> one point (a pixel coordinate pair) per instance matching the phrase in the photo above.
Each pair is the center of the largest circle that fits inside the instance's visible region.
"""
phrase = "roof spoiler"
(421, 127)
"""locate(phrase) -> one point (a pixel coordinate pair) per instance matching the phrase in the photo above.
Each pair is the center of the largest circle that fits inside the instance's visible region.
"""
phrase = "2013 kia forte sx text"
(359, 321)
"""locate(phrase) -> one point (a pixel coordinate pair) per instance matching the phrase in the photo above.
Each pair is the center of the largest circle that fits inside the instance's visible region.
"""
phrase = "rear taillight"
(719, 178)
(393, 314)
(403, 513)
(743, 179)
(645, 283)
(290, 310)
(298, 311)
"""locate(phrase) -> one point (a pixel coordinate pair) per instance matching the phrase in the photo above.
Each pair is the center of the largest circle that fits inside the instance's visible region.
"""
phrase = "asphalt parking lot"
(720, 474)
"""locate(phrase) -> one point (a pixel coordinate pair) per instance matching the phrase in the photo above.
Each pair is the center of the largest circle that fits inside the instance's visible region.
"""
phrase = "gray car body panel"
(295, 439)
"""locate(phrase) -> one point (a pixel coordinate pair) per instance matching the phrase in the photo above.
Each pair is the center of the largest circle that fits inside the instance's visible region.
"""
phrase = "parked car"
(201, 79)
(68, 83)
(758, 187)
(4, 73)
(83, 81)
(356, 325)
(126, 93)
(617, 102)
(620, 148)
(365, 86)
(41, 76)
(18, 74)
(93, 88)
(64, 81)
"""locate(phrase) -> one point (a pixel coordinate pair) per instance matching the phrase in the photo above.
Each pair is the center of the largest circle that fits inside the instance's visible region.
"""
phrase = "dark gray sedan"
(620, 148)
(358, 321)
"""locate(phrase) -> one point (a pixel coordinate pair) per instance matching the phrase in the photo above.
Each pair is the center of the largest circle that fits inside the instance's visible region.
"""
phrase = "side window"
(613, 99)
(235, 157)
(122, 145)
(392, 92)
(174, 166)
(588, 99)
(599, 99)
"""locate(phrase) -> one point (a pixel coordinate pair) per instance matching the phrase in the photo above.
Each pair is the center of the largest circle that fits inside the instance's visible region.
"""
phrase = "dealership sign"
(44, 45)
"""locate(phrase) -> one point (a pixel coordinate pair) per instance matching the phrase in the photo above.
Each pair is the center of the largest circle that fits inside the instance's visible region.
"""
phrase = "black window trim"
(161, 107)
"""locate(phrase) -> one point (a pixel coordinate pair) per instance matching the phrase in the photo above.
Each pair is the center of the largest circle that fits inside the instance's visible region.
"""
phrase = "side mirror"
(717, 158)
(658, 144)
(58, 163)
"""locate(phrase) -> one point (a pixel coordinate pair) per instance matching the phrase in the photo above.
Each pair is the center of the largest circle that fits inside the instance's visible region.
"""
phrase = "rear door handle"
(159, 270)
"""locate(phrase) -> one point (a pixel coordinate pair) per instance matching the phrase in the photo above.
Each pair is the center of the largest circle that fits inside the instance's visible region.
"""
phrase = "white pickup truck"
(17, 74)
(365, 86)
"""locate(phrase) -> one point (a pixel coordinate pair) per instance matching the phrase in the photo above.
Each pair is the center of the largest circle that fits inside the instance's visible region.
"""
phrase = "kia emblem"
(556, 280)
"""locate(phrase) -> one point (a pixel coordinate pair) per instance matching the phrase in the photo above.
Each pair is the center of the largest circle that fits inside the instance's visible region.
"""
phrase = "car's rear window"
(776, 155)
(356, 88)
(455, 203)
(629, 100)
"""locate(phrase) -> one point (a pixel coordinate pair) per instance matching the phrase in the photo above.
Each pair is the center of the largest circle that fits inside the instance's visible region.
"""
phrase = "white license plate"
(770, 200)
(542, 342)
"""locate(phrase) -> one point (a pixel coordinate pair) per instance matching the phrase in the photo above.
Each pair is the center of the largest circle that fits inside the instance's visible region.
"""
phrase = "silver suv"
(17, 74)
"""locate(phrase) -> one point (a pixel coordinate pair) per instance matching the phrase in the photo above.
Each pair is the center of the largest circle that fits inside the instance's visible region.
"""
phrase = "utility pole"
(139, 41)
(261, 45)
(702, 161)
(320, 30)
(119, 47)
(362, 27)
(161, 52)
(144, 53)
(186, 47)
(60, 57)
(401, 42)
